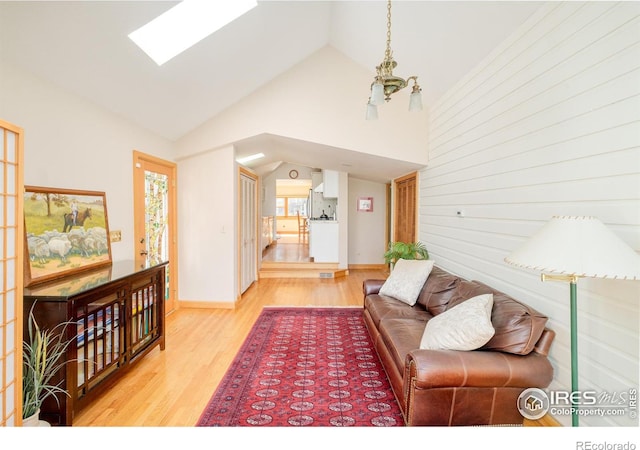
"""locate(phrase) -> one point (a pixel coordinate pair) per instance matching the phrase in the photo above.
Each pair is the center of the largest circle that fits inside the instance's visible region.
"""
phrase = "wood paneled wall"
(548, 124)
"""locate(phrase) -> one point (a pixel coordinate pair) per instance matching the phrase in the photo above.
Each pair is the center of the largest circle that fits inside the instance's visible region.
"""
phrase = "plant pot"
(34, 421)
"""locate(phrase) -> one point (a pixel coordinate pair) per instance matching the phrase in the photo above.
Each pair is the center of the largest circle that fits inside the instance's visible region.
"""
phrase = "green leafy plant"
(405, 250)
(42, 359)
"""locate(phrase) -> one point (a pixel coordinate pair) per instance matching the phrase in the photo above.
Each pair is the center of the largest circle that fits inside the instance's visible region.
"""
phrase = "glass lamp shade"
(377, 94)
(578, 246)
(415, 101)
(372, 112)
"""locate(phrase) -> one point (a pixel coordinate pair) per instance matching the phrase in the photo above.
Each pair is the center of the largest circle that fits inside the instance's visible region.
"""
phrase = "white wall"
(546, 125)
(367, 239)
(70, 143)
(208, 212)
(344, 221)
(322, 99)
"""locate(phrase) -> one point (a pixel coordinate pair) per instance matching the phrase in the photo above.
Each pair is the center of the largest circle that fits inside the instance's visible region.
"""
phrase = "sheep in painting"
(79, 245)
(101, 245)
(60, 247)
(48, 235)
(99, 239)
(89, 243)
(97, 232)
(38, 249)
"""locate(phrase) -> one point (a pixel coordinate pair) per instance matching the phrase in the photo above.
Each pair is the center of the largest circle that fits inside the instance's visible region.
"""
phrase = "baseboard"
(368, 266)
(205, 305)
(340, 273)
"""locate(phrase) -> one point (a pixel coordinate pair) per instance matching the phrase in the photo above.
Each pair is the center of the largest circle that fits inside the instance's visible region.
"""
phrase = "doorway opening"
(291, 243)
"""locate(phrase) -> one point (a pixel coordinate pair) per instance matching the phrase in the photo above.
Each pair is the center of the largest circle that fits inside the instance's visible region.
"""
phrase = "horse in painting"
(69, 222)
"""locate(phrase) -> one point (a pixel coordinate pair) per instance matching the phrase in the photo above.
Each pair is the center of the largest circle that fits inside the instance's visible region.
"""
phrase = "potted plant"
(42, 359)
(405, 250)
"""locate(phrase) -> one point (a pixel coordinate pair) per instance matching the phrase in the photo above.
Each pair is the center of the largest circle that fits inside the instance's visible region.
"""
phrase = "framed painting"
(66, 231)
(365, 204)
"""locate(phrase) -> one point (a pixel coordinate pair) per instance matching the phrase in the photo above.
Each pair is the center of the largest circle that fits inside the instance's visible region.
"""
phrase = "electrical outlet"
(115, 236)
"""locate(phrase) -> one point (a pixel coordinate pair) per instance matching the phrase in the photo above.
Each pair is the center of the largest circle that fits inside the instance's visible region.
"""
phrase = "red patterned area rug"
(305, 367)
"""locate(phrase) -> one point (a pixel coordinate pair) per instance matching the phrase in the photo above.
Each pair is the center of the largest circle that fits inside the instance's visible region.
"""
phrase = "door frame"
(139, 158)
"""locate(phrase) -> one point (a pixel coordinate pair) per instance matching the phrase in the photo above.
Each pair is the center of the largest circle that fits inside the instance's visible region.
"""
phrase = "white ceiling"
(82, 46)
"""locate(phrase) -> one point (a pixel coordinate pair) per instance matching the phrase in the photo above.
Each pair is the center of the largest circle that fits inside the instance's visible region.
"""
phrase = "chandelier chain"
(387, 53)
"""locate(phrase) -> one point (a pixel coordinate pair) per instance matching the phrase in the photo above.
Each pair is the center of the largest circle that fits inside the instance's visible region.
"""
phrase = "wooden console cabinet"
(118, 316)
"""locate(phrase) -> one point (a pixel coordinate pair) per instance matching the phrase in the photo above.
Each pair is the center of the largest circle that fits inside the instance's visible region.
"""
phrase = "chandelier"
(385, 83)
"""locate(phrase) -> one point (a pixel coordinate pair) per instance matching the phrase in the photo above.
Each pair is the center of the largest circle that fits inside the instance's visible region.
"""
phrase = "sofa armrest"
(371, 286)
(426, 369)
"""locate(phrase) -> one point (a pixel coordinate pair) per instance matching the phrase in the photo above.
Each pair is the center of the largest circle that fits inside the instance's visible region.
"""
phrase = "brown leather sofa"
(448, 387)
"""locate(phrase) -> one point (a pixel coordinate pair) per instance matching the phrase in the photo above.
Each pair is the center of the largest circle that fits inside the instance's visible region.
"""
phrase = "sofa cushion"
(381, 306)
(438, 290)
(518, 326)
(407, 279)
(401, 336)
(467, 326)
(466, 290)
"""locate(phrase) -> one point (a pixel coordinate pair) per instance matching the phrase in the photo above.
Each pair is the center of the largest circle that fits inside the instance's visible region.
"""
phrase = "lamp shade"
(377, 93)
(372, 112)
(578, 246)
(415, 101)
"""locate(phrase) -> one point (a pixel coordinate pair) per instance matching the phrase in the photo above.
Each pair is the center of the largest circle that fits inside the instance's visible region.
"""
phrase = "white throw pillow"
(466, 326)
(406, 279)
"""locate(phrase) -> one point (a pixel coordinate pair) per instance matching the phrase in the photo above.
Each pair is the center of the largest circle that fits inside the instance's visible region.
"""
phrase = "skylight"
(186, 24)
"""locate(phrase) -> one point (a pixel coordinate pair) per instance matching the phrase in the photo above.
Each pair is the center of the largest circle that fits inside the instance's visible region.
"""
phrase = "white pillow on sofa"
(466, 326)
(406, 279)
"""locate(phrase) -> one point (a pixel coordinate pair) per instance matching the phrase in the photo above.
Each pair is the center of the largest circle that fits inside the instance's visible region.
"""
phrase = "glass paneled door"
(154, 217)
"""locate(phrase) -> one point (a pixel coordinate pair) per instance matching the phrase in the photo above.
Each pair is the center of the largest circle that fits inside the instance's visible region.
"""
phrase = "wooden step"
(301, 270)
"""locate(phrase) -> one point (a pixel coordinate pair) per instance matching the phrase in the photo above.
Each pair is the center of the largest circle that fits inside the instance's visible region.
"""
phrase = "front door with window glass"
(154, 187)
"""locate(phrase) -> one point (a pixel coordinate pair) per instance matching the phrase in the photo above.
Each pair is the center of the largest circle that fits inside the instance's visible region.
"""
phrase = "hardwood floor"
(288, 248)
(171, 388)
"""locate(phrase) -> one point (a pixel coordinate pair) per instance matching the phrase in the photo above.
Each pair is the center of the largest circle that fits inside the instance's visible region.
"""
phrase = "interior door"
(155, 234)
(405, 210)
(248, 230)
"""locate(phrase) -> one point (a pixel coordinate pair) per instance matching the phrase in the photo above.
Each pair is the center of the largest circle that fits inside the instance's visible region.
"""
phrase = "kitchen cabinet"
(268, 231)
(328, 187)
(330, 183)
(323, 241)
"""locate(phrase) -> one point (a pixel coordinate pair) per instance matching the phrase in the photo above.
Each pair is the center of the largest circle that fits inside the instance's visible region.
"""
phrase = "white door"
(248, 231)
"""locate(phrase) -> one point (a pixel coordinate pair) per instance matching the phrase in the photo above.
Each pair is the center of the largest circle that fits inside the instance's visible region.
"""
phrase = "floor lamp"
(568, 248)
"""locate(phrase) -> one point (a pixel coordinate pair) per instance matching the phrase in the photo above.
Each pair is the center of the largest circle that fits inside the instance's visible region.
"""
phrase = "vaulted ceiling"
(82, 46)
